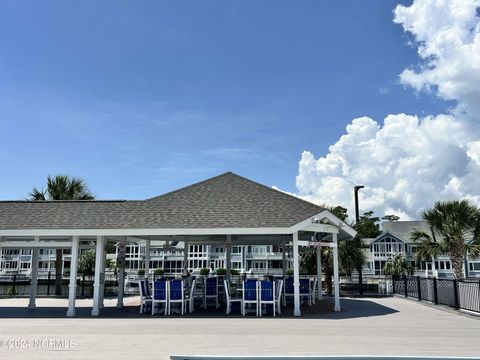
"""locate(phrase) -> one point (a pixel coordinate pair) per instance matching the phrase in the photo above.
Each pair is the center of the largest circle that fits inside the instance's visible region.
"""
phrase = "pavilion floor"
(57, 307)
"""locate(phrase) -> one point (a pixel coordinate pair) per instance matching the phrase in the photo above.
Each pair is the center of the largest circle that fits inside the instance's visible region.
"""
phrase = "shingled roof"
(224, 201)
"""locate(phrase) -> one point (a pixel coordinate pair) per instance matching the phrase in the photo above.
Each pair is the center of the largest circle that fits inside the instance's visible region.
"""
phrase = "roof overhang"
(324, 222)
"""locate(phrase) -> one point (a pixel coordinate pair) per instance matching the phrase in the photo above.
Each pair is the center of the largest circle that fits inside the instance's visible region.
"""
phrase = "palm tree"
(455, 232)
(61, 187)
(350, 257)
(86, 262)
(397, 265)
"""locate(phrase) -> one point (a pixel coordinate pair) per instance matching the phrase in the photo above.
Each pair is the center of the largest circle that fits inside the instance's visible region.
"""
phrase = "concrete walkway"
(381, 326)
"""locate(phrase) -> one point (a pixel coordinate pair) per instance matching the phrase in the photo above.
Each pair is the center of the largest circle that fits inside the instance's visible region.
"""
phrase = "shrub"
(141, 272)
(289, 272)
(234, 272)
(204, 271)
(11, 292)
(221, 272)
(158, 271)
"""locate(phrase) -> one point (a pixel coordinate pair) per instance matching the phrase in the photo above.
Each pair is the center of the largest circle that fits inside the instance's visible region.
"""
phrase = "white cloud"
(407, 163)
(448, 37)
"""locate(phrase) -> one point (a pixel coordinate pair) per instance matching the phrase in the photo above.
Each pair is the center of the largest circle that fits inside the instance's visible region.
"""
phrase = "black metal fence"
(19, 284)
(458, 294)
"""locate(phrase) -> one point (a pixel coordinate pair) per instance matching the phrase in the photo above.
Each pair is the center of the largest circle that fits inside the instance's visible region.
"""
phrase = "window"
(474, 266)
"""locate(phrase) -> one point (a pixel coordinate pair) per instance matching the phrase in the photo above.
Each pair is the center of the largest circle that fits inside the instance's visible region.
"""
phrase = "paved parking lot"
(381, 326)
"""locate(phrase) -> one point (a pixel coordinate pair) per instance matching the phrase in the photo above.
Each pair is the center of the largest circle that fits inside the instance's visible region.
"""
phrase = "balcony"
(264, 256)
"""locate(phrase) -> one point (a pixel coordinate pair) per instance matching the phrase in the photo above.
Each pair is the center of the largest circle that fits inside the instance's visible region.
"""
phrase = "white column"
(147, 258)
(228, 258)
(121, 273)
(98, 270)
(185, 257)
(244, 257)
(102, 273)
(33, 282)
(319, 272)
(336, 276)
(296, 276)
(72, 287)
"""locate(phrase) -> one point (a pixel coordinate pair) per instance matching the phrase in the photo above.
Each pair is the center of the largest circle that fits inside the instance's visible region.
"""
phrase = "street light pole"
(357, 212)
(357, 219)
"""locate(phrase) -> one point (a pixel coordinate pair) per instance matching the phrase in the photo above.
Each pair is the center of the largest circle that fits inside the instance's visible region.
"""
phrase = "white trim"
(146, 232)
(305, 225)
(339, 223)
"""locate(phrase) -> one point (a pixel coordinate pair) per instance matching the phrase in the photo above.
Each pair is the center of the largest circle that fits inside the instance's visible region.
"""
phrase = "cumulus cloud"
(407, 162)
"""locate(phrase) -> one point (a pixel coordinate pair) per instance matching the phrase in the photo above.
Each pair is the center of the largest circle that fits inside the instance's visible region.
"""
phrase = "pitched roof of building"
(224, 201)
(403, 229)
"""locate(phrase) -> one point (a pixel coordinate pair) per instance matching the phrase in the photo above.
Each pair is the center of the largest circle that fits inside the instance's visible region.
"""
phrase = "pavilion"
(227, 209)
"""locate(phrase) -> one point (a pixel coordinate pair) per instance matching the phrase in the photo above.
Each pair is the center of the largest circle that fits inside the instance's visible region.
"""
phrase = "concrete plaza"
(368, 326)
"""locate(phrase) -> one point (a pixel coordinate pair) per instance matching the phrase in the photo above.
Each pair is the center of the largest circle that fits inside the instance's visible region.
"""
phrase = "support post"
(228, 258)
(72, 287)
(33, 281)
(319, 272)
(296, 276)
(102, 273)
(97, 281)
(284, 260)
(419, 289)
(455, 294)
(121, 272)
(435, 291)
(48, 282)
(147, 258)
(14, 291)
(405, 284)
(185, 257)
(336, 276)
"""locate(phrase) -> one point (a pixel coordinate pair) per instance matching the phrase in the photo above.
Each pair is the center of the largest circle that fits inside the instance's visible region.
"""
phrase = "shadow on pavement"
(351, 308)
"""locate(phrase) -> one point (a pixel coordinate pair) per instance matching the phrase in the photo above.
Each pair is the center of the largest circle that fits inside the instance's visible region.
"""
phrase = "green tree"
(368, 226)
(398, 265)
(355, 257)
(308, 264)
(455, 232)
(86, 262)
(340, 212)
(391, 218)
(61, 187)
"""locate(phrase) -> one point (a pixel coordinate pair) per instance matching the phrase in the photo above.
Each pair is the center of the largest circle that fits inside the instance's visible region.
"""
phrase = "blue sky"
(139, 98)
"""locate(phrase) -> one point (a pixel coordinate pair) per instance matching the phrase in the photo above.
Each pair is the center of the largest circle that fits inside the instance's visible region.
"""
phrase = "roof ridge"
(189, 186)
(277, 191)
(403, 221)
(63, 201)
(244, 179)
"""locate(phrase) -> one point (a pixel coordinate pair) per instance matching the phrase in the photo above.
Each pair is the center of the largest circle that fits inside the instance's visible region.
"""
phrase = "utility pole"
(357, 219)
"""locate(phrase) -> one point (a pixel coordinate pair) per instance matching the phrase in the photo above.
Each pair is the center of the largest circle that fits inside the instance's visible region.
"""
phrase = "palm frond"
(427, 250)
(63, 187)
(419, 235)
(37, 195)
